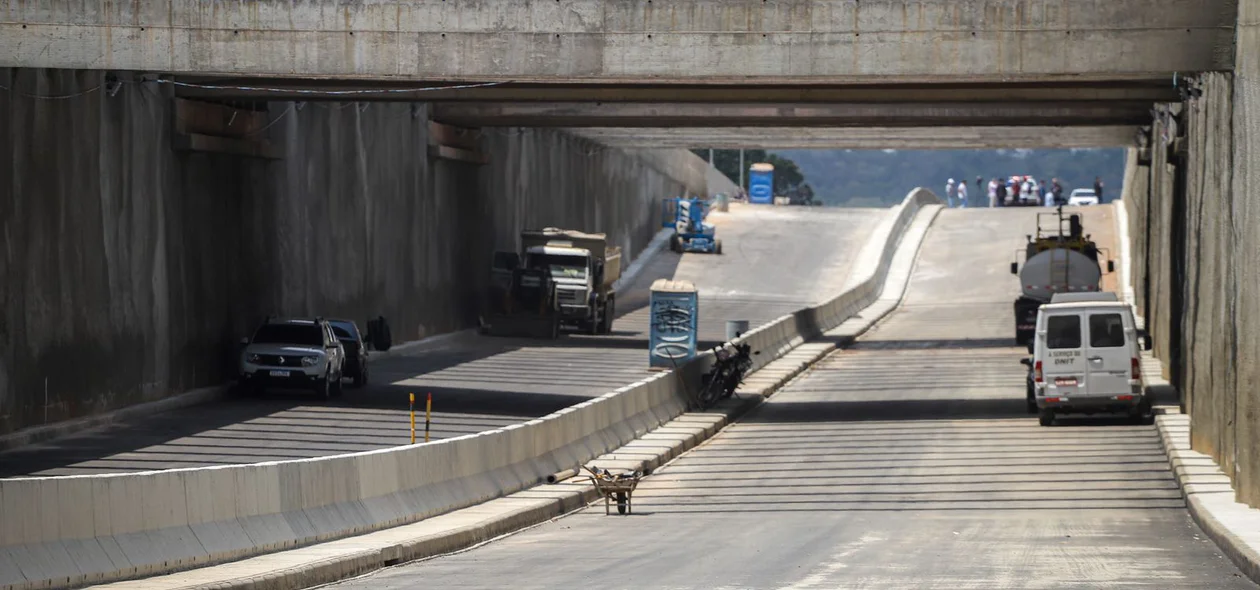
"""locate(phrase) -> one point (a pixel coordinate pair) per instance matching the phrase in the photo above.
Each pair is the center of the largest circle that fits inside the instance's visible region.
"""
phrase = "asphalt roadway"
(906, 461)
(775, 260)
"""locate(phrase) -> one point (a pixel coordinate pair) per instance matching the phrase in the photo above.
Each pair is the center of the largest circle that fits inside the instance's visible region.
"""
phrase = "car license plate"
(279, 373)
(1065, 381)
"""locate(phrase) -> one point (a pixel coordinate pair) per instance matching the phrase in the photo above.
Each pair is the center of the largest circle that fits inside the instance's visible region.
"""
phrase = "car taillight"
(1037, 372)
(1136, 366)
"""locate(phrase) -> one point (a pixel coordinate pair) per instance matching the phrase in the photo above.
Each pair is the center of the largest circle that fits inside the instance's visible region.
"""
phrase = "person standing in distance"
(1098, 188)
(962, 194)
(949, 193)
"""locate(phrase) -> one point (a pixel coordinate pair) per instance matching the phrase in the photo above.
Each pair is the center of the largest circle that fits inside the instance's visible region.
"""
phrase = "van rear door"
(1063, 366)
(1108, 355)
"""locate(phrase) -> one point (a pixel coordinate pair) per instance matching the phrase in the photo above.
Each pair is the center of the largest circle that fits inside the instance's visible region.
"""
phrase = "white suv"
(293, 354)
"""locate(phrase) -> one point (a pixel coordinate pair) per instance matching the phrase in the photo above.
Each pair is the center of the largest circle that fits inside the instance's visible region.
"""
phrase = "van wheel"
(1046, 417)
(1143, 415)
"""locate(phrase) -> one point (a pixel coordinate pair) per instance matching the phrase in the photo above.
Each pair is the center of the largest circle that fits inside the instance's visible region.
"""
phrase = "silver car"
(293, 354)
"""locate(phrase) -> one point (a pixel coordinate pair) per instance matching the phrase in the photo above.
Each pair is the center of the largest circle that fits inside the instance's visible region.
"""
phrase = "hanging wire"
(51, 96)
(273, 121)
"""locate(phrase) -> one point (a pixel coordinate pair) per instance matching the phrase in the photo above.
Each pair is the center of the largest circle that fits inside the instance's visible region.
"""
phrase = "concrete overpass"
(992, 137)
(919, 115)
(595, 41)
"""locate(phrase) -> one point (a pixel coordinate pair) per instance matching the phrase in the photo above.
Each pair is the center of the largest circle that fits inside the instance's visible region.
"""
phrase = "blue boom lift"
(691, 233)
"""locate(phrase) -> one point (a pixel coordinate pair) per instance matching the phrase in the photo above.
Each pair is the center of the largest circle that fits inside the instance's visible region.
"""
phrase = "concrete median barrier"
(863, 288)
(78, 530)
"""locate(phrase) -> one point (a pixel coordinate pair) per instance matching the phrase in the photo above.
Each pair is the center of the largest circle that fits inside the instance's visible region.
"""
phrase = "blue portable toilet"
(674, 322)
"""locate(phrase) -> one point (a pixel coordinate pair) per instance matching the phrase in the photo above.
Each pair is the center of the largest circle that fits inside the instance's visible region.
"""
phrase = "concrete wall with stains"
(678, 41)
(130, 270)
(1194, 248)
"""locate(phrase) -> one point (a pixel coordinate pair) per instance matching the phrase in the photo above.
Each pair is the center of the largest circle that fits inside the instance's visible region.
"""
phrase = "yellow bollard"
(428, 411)
(412, 407)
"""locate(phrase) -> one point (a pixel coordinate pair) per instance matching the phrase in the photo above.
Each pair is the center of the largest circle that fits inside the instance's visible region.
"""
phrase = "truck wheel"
(1046, 417)
(717, 247)
(606, 325)
(555, 330)
(675, 243)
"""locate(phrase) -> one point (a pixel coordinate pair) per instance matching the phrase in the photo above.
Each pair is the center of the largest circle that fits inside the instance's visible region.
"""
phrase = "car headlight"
(253, 358)
(310, 361)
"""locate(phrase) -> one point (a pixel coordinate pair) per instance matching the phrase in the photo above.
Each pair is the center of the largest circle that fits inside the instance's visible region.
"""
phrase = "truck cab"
(572, 271)
(1086, 358)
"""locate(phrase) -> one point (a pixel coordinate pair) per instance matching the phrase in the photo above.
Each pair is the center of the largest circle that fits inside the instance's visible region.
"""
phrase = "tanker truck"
(1054, 262)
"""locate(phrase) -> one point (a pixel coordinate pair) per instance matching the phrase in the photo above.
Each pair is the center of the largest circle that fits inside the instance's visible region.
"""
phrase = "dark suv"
(293, 353)
(356, 350)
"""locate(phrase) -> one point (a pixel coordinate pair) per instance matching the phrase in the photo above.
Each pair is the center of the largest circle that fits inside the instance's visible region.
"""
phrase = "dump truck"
(1054, 262)
(559, 279)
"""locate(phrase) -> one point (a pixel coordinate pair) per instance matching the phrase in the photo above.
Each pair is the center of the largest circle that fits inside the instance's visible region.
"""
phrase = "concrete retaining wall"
(82, 529)
(1193, 252)
(131, 269)
(1244, 224)
(719, 183)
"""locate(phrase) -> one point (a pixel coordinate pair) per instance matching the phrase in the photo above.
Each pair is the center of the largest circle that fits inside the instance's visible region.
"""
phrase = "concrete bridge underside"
(992, 137)
(743, 41)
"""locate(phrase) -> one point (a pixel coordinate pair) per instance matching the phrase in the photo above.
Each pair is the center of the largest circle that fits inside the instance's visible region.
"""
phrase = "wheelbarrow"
(610, 485)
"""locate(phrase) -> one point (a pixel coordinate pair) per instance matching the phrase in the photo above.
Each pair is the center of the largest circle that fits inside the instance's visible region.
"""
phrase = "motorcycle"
(728, 371)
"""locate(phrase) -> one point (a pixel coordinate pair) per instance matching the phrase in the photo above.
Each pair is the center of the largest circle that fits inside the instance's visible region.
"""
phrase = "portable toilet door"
(673, 323)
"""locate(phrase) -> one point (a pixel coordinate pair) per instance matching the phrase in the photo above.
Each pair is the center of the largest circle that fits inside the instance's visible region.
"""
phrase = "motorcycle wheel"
(710, 390)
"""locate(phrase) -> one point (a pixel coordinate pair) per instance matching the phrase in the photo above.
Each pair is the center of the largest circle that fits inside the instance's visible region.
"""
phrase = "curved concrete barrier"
(75, 530)
(862, 289)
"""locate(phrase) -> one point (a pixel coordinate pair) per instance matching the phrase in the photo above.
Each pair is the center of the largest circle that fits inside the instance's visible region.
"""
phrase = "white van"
(1086, 358)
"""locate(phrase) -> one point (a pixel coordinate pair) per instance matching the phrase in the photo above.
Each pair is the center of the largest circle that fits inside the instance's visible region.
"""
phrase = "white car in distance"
(1082, 196)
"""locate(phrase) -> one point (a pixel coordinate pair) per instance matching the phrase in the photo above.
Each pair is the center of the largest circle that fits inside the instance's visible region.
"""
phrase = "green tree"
(787, 175)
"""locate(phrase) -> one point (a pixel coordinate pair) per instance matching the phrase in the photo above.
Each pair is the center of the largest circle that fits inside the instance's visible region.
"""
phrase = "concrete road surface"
(905, 462)
(776, 259)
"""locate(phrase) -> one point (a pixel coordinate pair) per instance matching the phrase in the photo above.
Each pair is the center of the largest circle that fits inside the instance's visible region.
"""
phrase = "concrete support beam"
(788, 115)
(680, 41)
(866, 138)
(235, 88)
